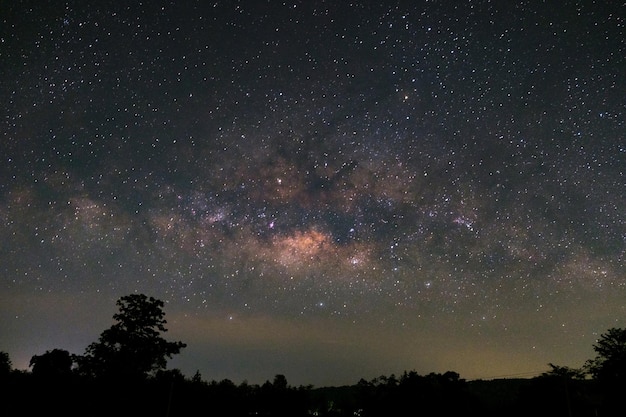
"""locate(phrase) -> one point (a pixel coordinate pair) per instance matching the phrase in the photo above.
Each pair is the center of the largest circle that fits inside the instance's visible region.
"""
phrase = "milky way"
(323, 189)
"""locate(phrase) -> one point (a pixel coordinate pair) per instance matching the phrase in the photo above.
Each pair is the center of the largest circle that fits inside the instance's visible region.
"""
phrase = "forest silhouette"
(124, 373)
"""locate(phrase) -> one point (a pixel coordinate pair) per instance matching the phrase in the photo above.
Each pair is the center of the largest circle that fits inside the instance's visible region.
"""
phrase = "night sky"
(328, 190)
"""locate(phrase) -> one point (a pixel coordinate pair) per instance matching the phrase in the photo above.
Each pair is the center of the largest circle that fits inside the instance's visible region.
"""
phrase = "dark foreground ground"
(171, 394)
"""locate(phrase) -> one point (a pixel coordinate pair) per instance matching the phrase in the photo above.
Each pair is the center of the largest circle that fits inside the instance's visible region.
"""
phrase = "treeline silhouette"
(124, 373)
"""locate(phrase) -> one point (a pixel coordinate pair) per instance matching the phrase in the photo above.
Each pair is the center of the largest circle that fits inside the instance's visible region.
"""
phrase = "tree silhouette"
(609, 365)
(609, 369)
(559, 392)
(52, 364)
(133, 347)
(5, 364)
(564, 372)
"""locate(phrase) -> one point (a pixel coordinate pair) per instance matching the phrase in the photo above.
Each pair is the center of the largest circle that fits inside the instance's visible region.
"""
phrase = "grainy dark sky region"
(329, 190)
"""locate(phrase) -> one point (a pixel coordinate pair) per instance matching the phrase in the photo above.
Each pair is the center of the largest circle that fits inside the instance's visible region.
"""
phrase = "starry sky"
(329, 190)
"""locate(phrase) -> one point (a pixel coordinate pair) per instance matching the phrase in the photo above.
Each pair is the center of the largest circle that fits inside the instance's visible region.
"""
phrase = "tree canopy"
(5, 363)
(609, 365)
(133, 347)
(54, 363)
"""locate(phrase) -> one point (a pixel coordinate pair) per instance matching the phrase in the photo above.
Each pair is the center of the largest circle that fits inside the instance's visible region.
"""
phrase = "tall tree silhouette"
(133, 347)
(609, 365)
(609, 369)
